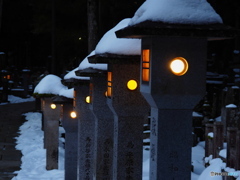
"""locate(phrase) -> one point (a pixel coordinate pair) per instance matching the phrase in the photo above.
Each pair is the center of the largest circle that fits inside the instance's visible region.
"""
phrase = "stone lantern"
(103, 152)
(70, 125)
(48, 87)
(125, 101)
(86, 124)
(173, 69)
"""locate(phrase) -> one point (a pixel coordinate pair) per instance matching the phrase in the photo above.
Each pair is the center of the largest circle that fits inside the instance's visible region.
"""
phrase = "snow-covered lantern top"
(51, 86)
(112, 50)
(174, 44)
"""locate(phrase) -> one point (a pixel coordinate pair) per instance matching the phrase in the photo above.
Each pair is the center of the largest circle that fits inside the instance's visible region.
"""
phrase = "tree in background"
(25, 34)
(1, 5)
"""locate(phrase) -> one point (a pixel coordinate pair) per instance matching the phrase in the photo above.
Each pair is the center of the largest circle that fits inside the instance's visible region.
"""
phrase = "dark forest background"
(53, 35)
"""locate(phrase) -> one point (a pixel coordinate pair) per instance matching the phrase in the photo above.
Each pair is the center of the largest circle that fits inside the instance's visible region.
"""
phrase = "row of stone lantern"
(169, 76)
(110, 127)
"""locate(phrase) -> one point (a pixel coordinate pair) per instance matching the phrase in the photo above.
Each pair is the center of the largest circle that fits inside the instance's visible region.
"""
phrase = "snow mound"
(176, 12)
(85, 64)
(72, 75)
(113, 45)
(50, 84)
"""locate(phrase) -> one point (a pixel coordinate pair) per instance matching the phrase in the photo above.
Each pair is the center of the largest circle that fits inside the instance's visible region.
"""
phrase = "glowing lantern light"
(109, 84)
(145, 65)
(53, 106)
(179, 66)
(88, 99)
(73, 114)
(132, 84)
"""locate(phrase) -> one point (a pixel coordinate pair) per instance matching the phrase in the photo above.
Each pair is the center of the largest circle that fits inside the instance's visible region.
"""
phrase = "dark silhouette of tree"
(1, 5)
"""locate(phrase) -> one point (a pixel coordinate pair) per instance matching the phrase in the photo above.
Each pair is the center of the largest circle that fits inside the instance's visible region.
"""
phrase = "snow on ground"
(15, 99)
(30, 142)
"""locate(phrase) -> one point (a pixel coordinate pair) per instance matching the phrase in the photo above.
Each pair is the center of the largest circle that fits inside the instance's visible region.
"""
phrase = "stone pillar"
(26, 78)
(4, 93)
(42, 108)
(130, 110)
(103, 152)
(208, 140)
(86, 132)
(71, 142)
(161, 149)
(238, 150)
(218, 138)
(231, 147)
(228, 117)
(37, 104)
(51, 133)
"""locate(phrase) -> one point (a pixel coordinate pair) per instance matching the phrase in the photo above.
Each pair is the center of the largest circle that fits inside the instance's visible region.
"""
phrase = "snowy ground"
(15, 99)
(30, 142)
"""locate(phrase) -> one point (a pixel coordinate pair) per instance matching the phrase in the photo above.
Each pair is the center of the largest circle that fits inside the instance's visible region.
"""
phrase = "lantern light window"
(109, 85)
(145, 65)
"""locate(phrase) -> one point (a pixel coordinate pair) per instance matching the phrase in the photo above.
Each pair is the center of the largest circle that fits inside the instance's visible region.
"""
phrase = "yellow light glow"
(146, 65)
(53, 106)
(132, 84)
(88, 99)
(179, 66)
(109, 84)
(73, 114)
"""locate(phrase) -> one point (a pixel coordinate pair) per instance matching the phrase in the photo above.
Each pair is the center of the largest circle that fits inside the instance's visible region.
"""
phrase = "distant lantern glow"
(132, 84)
(179, 66)
(53, 106)
(88, 99)
(73, 114)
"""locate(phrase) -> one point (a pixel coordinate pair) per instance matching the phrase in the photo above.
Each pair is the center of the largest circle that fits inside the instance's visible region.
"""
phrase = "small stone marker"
(231, 147)
(218, 139)
(208, 140)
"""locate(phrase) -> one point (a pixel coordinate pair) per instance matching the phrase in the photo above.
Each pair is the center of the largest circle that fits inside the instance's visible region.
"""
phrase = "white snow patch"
(72, 75)
(223, 153)
(30, 143)
(15, 99)
(216, 165)
(121, 46)
(175, 11)
(50, 84)
(85, 64)
(231, 106)
(211, 134)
